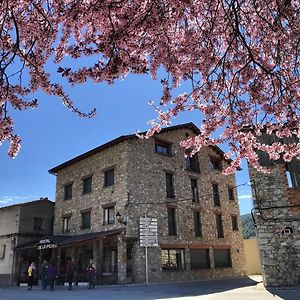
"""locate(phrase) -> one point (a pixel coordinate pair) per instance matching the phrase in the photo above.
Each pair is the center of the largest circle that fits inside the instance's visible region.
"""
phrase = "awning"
(53, 241)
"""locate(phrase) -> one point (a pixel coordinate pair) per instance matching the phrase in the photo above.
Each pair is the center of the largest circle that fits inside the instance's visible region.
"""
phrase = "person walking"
(70, 272)
(52, 274)
(44, 271)
(91, 274)
(31, 274)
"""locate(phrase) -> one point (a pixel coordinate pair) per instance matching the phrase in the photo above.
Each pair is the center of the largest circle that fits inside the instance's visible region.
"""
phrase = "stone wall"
(278, 226)
(140, 189)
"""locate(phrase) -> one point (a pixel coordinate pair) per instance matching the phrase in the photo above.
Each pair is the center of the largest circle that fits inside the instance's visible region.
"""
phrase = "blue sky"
(52, 134)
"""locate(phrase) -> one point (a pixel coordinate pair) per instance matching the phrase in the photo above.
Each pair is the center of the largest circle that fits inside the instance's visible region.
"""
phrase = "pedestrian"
(70, 272)
(31, 274)
(91, 274)
(44, 271)
(52, 274)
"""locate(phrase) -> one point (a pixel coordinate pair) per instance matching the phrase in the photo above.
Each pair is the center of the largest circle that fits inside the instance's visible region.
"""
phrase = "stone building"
(277, 215)
(20, 224)
(102, 195)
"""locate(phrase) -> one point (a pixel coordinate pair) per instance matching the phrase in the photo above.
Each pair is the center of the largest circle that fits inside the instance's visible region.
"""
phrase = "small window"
(219, 224)
(172, 259)
(222, 258)
(216, 195)
(231, 193)
(192, 164)
(109, 177)
(170, 185)
(68, 191)
(172, 221)
(197, 224)
(200, 259)
(38, 224)
(66, 224)
(86, 220)
(109, 215)
(87, 185)
(215, 164)
(2, 251)
(194, 187)
(234, 222)
(162, 148)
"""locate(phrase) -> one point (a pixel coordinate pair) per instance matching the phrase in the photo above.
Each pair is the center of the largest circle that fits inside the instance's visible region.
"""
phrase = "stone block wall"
(140, 189)
(278, 226)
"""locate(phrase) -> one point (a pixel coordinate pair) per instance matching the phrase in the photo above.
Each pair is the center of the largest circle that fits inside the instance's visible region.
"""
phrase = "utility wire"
(196, 199)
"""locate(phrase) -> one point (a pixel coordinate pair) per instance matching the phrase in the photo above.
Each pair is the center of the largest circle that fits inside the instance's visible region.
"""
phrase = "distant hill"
(248, 226)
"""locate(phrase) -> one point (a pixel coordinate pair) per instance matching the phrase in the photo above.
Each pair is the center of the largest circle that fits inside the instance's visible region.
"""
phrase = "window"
(200, 259)
(231, 193)
(68, 191)
(215, 164)
(194, 187)
(38, 224)
(219, 223)
(162, 148)
(172, 259)
(87, 185)
(66, 224)
(234, 222)
(86, 220)
(192, 164)
(2, 251)
(293, 174)
(197, 224)
(109, 215)
(222, 258)
(109, 177)
(172, 221)
(170, 185)
(216, 194)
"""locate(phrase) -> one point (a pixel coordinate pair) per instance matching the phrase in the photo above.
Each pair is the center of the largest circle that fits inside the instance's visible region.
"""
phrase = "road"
(230, 289)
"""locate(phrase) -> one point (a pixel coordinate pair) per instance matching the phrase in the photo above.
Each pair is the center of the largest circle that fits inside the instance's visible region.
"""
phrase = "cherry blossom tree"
(241, 58)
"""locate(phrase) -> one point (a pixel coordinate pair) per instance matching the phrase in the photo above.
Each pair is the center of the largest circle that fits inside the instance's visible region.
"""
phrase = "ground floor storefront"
(120, 259)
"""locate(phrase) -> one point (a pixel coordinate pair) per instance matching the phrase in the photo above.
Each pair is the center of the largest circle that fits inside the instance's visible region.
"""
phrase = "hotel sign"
(46, 244)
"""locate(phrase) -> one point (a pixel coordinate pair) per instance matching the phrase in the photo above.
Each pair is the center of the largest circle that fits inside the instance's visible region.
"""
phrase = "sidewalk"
(230, 289)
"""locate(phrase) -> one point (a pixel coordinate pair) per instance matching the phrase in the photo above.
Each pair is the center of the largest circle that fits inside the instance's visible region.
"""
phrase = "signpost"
(148, 237)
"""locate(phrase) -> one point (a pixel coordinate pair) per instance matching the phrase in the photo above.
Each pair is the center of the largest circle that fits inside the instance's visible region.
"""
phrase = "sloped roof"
(38, 201)
(123, 138)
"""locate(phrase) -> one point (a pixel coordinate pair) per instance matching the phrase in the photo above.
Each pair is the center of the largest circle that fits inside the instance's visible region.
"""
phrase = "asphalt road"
(230, 289)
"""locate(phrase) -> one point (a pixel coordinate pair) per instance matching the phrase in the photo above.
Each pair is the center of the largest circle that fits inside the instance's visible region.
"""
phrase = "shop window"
(194, 188)
(191, 163)
(222, 258)
(172, 259)
(38, 224)
(109, 215)
(234, 221)
(68, 191)
(162, 148)
(200, 259)
(197, 224)
(230, 193)
(109, 177)
(2, 251)
(86, 220)
(219, 224)
(66, 224)
(216, 194)
(215, 164)
(170, 185)
(87, 185)
(172, 221)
